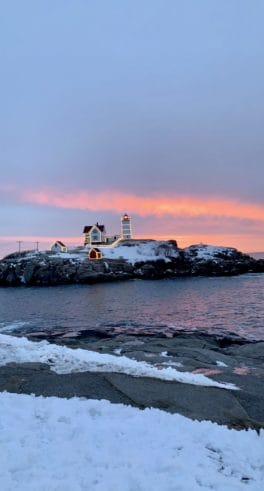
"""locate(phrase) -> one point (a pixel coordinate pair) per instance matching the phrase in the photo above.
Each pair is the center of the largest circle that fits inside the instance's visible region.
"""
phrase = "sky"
(154, 108)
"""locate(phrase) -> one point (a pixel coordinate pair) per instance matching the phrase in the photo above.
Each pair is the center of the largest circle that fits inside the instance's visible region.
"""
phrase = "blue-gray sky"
(151, 99)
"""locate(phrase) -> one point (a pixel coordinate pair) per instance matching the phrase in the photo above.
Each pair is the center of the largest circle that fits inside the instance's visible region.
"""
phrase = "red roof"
(60, 243)
(88, 228)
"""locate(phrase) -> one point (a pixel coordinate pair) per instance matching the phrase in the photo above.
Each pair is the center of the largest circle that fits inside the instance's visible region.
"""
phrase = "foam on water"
(14, 326)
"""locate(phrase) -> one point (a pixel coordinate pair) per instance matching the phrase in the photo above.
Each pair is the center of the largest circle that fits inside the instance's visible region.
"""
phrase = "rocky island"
(145, 259)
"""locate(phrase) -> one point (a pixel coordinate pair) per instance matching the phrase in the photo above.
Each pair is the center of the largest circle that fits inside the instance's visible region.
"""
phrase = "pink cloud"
(160, 205)
(189, 219)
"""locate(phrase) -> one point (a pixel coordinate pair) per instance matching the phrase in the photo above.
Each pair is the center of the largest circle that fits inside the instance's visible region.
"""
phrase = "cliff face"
(165, 260)
(48, 269)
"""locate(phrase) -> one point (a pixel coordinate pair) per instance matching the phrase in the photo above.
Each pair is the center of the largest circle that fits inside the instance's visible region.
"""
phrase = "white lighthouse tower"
(126, 232)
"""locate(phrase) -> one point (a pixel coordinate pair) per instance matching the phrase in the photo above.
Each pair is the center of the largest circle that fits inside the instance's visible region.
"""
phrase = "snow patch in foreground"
(53, 444)
(66, 360)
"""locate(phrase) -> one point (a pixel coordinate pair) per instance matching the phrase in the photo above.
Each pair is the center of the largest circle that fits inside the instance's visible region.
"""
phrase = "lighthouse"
(126, 232)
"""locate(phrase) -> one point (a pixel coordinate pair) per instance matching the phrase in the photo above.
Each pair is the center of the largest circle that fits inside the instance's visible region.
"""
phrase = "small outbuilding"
(95, 253)
(58, 246)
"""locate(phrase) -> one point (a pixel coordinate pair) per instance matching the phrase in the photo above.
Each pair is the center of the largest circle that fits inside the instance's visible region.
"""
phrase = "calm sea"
(231, 305)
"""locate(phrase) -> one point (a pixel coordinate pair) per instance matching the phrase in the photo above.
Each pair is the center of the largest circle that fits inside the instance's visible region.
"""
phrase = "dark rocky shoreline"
(224, 360)
(40, 269)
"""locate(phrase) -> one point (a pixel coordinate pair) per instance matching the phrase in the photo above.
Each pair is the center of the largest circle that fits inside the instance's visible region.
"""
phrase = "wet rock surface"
(224, 360)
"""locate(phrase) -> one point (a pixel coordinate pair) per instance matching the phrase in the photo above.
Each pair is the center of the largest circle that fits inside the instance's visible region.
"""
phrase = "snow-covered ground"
(79, 255)
(140, 251)
(52, 444)
(149, 250)
(208, 252)
(66, 360)
(155, 250)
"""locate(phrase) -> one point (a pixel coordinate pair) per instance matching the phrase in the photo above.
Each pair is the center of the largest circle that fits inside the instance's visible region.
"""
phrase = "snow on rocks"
(78, 445)
(137, 251)
(62, 359)
(202, 252)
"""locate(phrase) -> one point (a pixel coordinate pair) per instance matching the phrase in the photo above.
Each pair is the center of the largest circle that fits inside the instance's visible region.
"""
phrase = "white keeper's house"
(96, 234)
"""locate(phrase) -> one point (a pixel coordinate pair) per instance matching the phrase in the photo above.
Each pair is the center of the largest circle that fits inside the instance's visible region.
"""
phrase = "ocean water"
(223, 306)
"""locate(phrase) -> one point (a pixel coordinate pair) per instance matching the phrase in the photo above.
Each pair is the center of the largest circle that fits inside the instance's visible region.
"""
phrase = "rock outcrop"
(223, 360)
(46, 268)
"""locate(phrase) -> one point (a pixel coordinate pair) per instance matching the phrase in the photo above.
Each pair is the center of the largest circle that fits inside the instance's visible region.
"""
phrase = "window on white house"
(95, 235)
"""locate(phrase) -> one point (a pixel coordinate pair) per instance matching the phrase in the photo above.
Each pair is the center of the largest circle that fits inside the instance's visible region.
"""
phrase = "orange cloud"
(188, 219)
(159, 205)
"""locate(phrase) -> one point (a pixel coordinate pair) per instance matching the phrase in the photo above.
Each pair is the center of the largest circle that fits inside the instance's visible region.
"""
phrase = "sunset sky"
(150, 107)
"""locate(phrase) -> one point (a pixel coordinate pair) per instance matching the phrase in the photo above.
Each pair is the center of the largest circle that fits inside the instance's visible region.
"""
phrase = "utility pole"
(37, 245)
(19, 242)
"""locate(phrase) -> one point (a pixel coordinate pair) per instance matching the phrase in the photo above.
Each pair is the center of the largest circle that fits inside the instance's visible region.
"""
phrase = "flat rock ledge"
(42, 269)
(223, 360)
